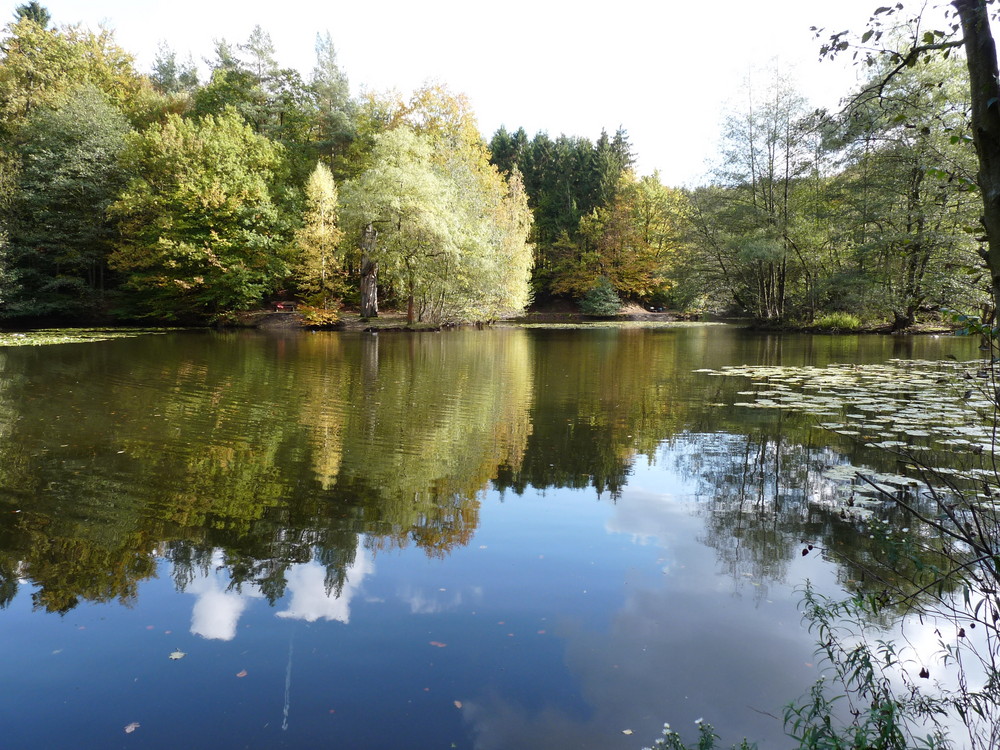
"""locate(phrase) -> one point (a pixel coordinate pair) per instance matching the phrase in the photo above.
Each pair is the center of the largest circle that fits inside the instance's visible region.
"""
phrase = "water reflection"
(277, 451)
(371, 483)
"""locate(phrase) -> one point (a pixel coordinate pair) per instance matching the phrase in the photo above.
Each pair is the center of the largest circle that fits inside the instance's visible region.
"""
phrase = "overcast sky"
(667, 71)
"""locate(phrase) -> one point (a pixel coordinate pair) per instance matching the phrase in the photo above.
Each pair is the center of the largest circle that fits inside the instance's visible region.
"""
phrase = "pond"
(510, 538)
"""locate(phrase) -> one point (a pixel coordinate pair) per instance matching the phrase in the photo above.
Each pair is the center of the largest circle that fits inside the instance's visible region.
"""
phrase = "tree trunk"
(981, 57)
(409, 301)
(369, 273)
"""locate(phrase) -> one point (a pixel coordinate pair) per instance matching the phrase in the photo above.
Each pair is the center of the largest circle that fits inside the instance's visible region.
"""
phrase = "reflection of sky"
(423, 601)
(310, 600)
(673, 644)
(217, 611)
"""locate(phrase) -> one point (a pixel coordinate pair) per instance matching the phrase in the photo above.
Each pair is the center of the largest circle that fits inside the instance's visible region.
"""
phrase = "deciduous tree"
(200, 234)
(59, 234)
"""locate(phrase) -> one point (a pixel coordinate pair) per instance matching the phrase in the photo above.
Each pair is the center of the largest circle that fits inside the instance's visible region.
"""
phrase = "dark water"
(475, 539)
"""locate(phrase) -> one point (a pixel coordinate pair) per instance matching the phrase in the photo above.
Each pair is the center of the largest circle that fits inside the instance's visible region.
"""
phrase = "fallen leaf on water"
(241, 673)
(129, 728)
(175, 655)
(438, 644)
(458, 704)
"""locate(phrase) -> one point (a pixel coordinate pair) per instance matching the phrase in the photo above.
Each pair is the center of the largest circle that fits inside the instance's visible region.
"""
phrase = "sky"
(666, 71)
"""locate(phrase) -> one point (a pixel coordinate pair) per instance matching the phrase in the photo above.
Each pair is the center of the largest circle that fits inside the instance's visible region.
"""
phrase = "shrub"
(317, 317)
(601, 300)
(838, 321)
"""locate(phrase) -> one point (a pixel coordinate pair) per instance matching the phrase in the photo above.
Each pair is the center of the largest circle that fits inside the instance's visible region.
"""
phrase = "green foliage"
(34, 11)
(199, 232)
(40, 65)
(335, 111)
(317, 273)
(319, 317)
(837, 321)
(59, 235)
(601, 300)
(881, 714)
(452, 233)
(170, 76)
(567, 181)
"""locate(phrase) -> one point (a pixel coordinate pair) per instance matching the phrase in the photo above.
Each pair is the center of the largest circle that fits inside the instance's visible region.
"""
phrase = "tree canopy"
(164, 195)
(199, 232)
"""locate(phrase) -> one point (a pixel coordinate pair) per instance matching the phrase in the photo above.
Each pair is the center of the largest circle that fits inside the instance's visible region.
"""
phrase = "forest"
(128, 195)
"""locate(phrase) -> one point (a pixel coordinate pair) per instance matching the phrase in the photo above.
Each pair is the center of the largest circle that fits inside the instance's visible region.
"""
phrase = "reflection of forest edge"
(282, 450)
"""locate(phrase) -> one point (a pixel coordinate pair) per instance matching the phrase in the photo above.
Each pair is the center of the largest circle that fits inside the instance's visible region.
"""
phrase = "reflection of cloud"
(649, 518)
(310, 600)
(216, 612)
(652, 665)
(678, 648)
(423, 603)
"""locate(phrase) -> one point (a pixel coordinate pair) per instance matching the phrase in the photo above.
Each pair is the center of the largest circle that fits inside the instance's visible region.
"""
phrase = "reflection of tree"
(763, 495)
(766, 499)
(270, 452)
(423, 429)
(273, 451)
(603, 397)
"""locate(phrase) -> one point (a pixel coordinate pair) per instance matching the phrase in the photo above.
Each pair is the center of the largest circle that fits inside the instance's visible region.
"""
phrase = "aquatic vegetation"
(939, 418)
(912, 404)
(73, 335)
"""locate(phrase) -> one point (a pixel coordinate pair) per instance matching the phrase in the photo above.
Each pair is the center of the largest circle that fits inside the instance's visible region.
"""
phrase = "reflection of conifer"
(337, 554)
(8, 583)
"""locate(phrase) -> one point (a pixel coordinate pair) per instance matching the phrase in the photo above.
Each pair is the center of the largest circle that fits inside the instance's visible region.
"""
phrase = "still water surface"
(475, 539)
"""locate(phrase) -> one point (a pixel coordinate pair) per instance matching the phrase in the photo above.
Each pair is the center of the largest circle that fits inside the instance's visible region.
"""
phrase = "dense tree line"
(869, 215)
(165, 196)
(598, 225)
(870, 212)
